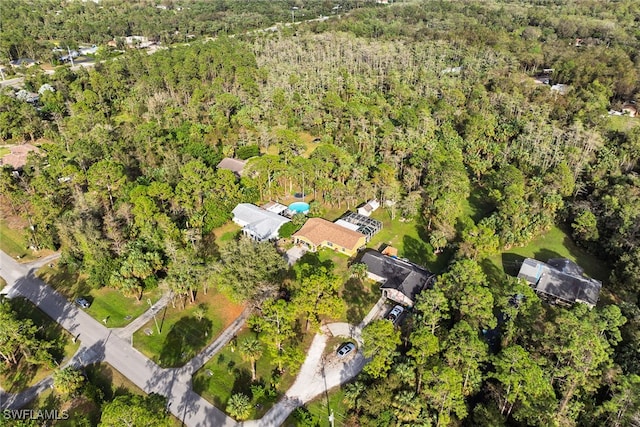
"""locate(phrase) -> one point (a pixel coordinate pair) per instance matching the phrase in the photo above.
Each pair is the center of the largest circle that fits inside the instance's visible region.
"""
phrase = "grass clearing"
(119, 310)
(409, 237)
(317, 412)
(227, 373)
(360, 297)
(110, 381)
(622, 123)
(555, 243)
(83, 410)
(4, 151)
(106, 303)
(14, 242)
(184, 332)
(226, 233)
(25, 375)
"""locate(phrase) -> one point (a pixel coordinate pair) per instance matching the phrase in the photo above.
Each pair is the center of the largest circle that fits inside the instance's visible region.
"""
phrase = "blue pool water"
(299, 207)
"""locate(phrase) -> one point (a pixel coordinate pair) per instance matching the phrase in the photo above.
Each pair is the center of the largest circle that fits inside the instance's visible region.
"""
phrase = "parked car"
(395, 313)
(345, 349)
(82, 302)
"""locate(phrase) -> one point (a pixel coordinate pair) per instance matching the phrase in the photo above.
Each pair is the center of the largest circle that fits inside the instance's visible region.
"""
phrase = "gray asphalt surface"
(318, 373)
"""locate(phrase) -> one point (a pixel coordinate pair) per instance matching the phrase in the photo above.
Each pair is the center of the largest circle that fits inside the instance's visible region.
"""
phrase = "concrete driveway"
(99, 343)
(294, 254)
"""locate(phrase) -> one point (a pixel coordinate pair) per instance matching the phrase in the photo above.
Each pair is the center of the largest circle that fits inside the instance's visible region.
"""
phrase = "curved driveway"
(99, 343)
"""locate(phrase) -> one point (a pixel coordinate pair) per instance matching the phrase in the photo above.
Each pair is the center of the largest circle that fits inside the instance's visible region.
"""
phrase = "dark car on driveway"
(82, 302)
(345, 349)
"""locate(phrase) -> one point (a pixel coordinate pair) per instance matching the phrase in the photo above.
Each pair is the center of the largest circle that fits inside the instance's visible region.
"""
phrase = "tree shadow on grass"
(185, 339)
(19, 377)
(242, 383)
(416, 251)
(100, 376)
(511, 263)
(493, 272)
(546, 254)
(359, 299)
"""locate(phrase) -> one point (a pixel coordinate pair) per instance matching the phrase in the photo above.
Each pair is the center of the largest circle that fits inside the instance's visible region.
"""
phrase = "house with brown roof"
(234, 165)
(318, 232)
(630, 109)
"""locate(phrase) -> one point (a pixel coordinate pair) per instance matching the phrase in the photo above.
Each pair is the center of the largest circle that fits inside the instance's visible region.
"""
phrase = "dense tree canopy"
(434, 108)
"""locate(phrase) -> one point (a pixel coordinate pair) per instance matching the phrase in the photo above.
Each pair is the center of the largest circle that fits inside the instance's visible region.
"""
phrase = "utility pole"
(70, 57)
(154, 315)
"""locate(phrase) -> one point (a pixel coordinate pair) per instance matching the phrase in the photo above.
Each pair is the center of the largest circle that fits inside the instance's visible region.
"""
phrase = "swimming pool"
(299, 207)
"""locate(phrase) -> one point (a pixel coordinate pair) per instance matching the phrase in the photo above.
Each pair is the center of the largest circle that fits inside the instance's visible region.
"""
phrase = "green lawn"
(226, 233)
(4, 151)
(25, 375)
(553, 244)
(227, 374)
(13, 242)
(622, 123)
(106, 381)
(182, 334)
(410, 238)
(106, 303)
(110, 304)
(317, 412)
(110, 381)
(360, 297)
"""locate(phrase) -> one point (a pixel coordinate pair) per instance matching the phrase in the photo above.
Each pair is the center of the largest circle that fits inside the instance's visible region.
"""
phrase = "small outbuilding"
(368, 208)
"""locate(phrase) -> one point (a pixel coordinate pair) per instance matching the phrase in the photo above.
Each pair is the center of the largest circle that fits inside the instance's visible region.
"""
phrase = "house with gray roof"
(257, 223)
(401, 280)
(560, 281)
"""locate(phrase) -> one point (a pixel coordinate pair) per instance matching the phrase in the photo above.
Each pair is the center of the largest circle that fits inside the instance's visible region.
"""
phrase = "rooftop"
(261, 223)
(562, 279)
(404, 276)
(234, 165)
(318, 230)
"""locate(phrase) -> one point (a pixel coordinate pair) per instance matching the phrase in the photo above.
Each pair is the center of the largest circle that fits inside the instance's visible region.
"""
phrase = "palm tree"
(352, 394)
(358, 270)
(251, 350)
(239, 406)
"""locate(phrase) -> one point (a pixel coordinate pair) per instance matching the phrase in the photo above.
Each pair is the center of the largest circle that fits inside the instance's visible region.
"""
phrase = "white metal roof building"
(257, 223)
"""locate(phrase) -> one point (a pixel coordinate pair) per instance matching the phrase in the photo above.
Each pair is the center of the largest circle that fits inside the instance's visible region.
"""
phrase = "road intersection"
(113, 346)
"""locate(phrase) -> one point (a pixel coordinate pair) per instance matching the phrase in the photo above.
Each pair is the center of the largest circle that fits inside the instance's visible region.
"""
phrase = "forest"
(428, 105)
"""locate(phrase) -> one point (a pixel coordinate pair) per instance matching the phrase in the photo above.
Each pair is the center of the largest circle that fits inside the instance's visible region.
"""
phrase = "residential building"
(368, 208)
(234, 165)
(258, 224)
(401, 280)
(318, 232)
(560, 281)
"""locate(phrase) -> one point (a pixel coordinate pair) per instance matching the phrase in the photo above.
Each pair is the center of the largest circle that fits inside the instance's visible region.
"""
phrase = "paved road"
(318, 373)
(99, 343)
